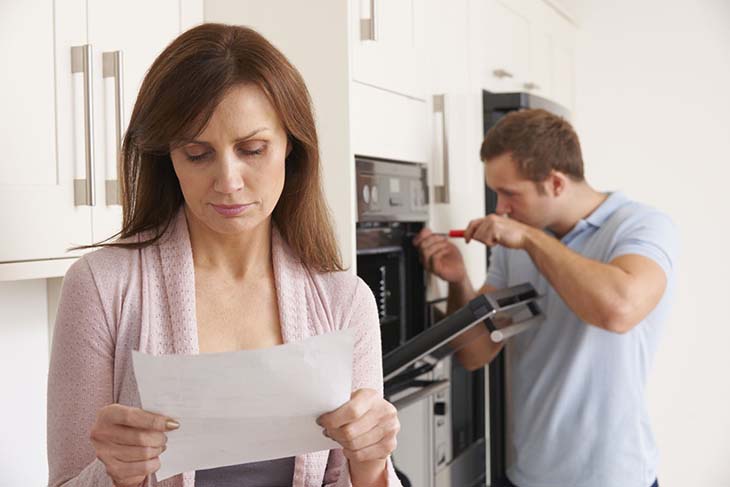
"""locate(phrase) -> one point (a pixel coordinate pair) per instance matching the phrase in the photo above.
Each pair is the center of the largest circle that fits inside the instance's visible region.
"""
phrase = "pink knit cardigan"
(118, 300)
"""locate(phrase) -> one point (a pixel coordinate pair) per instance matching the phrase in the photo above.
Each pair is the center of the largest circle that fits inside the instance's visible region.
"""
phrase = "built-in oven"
(441, 406)
(392, 208)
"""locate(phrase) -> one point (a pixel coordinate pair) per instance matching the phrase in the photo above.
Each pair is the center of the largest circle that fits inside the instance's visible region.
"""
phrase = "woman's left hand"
(366, 426)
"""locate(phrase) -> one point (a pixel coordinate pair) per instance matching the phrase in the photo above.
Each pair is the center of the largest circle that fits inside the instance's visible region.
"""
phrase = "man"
(605, 266)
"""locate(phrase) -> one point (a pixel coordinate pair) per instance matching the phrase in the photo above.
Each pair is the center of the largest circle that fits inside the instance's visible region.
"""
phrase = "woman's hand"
(366, 426)
(129, 442)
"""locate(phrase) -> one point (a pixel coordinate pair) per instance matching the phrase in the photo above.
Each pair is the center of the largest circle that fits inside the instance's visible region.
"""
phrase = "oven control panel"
(391, 191)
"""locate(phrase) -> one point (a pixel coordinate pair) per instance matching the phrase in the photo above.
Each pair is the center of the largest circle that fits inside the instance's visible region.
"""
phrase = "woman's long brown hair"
(176, 100)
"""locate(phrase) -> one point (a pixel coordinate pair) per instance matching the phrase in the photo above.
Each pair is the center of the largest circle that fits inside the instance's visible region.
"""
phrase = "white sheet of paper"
(246, 406)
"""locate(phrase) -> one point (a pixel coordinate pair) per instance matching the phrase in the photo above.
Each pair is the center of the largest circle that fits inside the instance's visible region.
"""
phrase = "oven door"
(383, 270)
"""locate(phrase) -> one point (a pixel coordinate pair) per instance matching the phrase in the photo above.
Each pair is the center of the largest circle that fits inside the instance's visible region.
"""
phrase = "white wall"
(653, 114)
(23, 378)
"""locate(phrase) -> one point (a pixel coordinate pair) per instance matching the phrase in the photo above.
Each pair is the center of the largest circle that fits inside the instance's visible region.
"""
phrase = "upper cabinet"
(444, 56)
(523, 45)
(562, 81)
(43, 116)
(389, 110)
(120, 63)
(66, 104)
(501, 45)
(386, 38)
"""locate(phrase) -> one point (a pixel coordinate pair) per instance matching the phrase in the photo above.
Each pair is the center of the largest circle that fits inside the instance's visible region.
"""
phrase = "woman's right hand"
(440, 256)
(129, 442)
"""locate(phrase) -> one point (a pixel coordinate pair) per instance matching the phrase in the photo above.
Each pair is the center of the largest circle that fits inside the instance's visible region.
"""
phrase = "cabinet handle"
(113, 71)
(502, 73)
(84, 194)
(369, 26)
(531, 86)
(441, 191)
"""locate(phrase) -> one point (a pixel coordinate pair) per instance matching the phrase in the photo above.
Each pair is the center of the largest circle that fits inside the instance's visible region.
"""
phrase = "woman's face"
(232, 173)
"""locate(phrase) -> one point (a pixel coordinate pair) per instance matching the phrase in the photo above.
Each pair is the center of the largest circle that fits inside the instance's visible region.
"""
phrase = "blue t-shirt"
(577, 414)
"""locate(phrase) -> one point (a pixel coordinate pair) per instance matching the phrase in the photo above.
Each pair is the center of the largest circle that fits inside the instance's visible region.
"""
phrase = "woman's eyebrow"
(237, 140)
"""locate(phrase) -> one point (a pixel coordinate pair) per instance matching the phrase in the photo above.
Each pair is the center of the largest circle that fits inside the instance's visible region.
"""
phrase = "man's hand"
(498, 230)
(440, 256)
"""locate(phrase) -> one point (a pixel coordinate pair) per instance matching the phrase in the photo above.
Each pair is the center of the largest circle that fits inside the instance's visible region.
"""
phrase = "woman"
(226, 245)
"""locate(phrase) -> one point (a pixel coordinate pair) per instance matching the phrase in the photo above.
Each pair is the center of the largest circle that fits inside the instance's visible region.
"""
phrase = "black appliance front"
(495, 106)
(389, 265)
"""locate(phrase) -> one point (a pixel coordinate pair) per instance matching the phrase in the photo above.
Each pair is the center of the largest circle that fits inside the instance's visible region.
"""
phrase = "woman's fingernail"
(171, 424)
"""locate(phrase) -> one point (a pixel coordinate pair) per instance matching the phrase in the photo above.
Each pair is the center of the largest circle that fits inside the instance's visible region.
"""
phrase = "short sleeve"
(653, 235)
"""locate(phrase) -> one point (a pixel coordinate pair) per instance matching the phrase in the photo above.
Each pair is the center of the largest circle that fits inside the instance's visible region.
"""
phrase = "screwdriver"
(452, 234)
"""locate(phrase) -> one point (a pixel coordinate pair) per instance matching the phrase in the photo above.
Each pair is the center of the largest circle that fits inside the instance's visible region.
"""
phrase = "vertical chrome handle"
(441, 190)
(84, 193)
(369, 26)
(112, 67)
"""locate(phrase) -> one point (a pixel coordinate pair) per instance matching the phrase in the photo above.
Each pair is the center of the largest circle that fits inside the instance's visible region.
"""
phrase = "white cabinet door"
(445, 58)
(38, 216)
(563, 58)
(500, 43)
(541, 45)
(386, 55)
(140, 30)
(464, 175)
(447, 48)
(388, 125)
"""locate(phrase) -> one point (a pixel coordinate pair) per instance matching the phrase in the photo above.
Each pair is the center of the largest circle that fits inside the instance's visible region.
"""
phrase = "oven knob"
(366, 194)
(439, 409)
(374, 194)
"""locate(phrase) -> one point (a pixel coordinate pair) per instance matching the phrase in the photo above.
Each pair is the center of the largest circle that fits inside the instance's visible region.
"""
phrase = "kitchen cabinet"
(563, 63)
(386, 37)
(523, 45)
(390, 107)
(65, 111)
(389, 125)
(39, 218)
(501, 45)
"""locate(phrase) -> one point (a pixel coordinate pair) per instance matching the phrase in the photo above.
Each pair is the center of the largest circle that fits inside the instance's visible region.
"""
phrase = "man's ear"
(557, 182)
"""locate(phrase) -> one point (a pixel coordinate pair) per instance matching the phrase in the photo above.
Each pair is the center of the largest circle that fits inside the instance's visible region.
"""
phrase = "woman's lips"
(231, 210)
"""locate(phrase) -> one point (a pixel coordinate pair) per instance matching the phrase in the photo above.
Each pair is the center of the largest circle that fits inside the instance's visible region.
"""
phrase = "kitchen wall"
(653, 114)
(23, 374)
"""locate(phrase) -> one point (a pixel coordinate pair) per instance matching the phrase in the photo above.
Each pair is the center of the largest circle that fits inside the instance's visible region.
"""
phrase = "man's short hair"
(538, 142)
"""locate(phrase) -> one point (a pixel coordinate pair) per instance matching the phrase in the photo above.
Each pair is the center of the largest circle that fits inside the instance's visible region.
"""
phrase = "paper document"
(246, 406)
